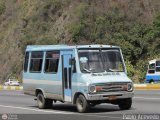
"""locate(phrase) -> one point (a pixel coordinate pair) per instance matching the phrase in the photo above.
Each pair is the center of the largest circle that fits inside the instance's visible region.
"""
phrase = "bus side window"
(158, 63)
(36, 61)
(151, 71)
(51, 61)
(157, 66)
(157, 69)
(26, 62)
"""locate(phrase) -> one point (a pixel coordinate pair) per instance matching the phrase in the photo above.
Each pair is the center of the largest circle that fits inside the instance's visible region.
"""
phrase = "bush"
(2, 6)
(47, 40)
(77, 31)
(130, 69)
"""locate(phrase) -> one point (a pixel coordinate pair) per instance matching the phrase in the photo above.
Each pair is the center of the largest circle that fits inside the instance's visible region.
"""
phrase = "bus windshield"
(100, 60)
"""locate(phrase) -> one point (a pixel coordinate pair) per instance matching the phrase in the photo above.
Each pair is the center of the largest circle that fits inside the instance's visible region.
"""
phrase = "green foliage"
(156, 33)
(77, 31)
(136, 39)
(113, 27)
(47, 40)
(130, 69)
(139, 36)
(54, 21)
(141, 68)
(52, 5)
(82, 11)
(2, 6)
(156, 24)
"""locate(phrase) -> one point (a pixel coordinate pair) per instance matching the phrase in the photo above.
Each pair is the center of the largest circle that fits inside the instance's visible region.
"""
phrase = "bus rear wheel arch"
(151, 81)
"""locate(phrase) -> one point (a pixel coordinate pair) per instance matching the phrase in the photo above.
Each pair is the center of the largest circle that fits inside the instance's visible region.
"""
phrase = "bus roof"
(153, 61)
(59, 47)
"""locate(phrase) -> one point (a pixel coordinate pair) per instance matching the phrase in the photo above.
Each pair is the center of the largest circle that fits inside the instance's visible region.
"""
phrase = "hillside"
(133, 25)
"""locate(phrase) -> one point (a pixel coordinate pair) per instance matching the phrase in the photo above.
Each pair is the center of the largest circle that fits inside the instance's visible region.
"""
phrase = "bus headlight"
(92, 88)
(130, 87)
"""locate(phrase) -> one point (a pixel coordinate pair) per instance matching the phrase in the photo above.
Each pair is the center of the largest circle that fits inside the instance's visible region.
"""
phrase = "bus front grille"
(111, 87)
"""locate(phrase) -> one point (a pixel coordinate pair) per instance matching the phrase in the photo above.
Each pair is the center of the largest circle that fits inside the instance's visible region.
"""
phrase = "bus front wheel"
(125, 104)
(82, 104)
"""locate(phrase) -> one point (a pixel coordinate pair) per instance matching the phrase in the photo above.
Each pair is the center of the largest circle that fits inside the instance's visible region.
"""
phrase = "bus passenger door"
(66, 77)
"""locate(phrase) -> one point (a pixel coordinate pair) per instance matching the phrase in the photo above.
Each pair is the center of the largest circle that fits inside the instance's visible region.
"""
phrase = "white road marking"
(101, 116)
(12, 94)
(57, 112)
(38, 110)
(147, 98)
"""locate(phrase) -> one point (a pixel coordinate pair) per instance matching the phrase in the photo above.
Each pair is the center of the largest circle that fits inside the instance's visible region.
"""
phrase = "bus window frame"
(58, 51)
(36, 58)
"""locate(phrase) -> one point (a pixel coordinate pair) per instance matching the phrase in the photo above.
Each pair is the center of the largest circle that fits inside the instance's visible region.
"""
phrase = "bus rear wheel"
(82, 104)
(42, 102)
(151, 81)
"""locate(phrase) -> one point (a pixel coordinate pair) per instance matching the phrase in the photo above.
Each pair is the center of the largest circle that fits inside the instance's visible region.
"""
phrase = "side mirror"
(72, 61)
(145, 66)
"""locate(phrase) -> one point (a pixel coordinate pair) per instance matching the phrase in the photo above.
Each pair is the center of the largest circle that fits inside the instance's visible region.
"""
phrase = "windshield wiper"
(112, 70)
(87, 70)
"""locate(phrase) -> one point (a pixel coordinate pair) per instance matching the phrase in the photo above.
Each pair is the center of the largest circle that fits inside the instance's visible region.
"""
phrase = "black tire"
(125, 104)
(151, 81)
(92, 104)
(42, 102)
(49, 103)
(82, 104)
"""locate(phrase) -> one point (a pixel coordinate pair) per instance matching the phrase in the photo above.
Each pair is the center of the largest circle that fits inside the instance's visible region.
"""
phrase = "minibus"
(153, 72)
(84, 75)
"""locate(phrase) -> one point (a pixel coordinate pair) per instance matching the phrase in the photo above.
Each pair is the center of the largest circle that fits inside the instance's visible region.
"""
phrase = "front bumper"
(109, 95)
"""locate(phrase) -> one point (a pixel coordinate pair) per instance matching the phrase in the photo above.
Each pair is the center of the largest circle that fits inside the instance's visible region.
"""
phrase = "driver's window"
(151, 68)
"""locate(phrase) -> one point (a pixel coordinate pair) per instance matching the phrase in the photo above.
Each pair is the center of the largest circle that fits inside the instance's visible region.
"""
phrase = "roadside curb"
(11, 88)
(147, 86)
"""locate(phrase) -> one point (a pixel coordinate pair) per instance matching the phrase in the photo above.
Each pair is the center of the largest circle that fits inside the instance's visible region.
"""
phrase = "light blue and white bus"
(85, 75)
(153, 72)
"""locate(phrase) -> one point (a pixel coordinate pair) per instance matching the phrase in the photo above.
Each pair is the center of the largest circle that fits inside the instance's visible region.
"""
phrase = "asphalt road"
(22, 107)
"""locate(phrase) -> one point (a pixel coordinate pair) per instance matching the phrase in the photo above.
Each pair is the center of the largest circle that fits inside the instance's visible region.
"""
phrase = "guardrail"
(136, 87)
(11, 87)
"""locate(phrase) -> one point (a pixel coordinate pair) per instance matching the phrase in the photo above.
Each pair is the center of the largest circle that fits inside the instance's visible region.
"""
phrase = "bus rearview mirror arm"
(72, 61)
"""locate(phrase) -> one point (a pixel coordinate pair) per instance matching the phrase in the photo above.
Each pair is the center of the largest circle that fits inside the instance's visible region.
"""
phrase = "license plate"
(112, 97)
